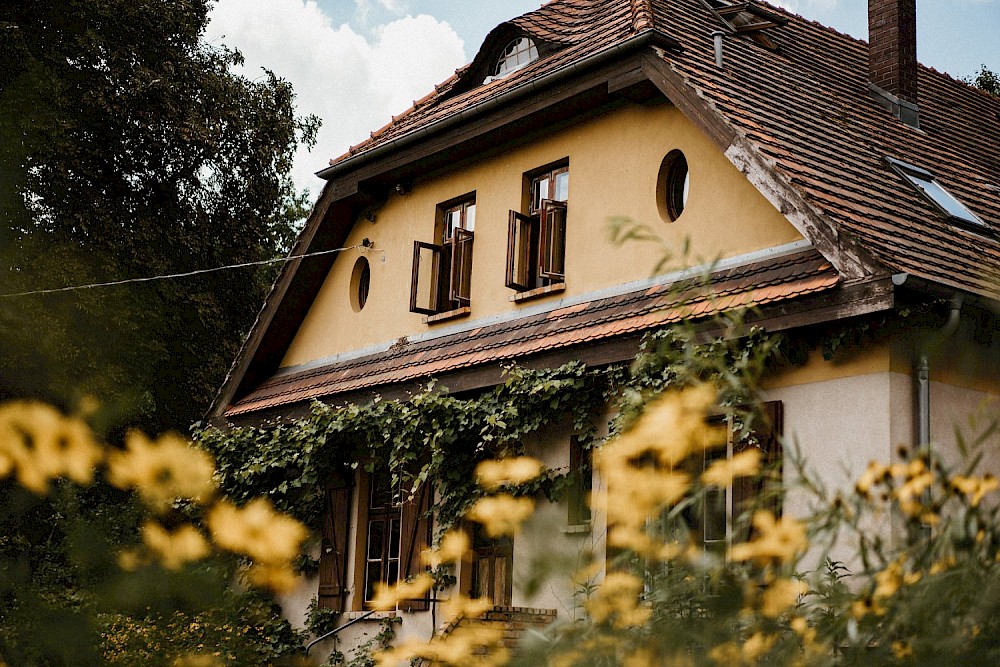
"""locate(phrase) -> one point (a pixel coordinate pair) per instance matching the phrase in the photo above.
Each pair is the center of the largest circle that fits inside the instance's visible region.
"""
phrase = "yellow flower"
(756, 646)
(513, 471)
(279, 577)
(726, 654)
(778, 540)
(501, 515)
(801, 627)
(617, 601)
(888, 581)
(454, 546)
(635, 493)
(975, 487)
(256, 530)
(40, 444)
(387, 596)
(902, 650)
(197, 660)
(945, 564)
(723, 471)
(459, 605)
(781, 595)
(175, 548)
(913, 487)
(874, 474)
(464, 646)
(671, 427)
(163, 470)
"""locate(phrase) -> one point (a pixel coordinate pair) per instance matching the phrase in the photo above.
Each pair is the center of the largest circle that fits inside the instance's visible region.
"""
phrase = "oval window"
(360, 283)
(673, 185)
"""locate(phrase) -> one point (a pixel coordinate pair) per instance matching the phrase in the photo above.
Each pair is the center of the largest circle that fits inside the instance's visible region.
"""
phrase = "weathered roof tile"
(599, 319)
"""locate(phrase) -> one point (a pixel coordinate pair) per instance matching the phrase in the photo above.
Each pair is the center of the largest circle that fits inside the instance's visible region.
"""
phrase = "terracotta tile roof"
(806, 109)
(579, 27)
(760, 283)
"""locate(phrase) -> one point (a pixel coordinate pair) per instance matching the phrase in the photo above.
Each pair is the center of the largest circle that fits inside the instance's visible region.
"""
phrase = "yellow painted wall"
(614, 162)
(962, 363)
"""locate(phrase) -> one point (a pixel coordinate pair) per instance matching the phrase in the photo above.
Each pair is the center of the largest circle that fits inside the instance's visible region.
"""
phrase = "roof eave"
(634, 44)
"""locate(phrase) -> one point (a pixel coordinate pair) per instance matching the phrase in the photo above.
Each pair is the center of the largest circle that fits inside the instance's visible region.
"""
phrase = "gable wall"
(614, 163)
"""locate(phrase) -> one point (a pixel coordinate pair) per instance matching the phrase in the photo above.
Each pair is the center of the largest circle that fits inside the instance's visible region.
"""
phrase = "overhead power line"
(186, 274)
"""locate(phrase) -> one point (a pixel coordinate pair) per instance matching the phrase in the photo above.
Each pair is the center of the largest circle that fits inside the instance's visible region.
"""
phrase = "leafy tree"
(985, 79)
(129, 148)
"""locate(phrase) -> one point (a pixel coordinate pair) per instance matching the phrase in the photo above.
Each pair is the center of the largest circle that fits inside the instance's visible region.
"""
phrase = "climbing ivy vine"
(438, 437)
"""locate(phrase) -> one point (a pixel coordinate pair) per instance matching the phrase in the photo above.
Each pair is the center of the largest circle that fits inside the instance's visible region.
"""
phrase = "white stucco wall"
(837, 426)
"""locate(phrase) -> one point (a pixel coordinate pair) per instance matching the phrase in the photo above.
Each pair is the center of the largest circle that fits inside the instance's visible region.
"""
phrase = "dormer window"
(518, 53)
(929, 187)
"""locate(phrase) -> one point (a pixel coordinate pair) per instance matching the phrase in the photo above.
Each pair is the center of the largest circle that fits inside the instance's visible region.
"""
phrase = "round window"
(672, 185)
(360, 282)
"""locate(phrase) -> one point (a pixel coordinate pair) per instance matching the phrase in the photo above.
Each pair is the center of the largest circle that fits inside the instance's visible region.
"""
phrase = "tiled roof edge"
(735, 262)
(649, 37)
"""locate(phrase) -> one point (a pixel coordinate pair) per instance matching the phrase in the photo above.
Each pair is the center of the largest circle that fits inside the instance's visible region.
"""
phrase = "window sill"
(576, 529)
(448, 315)
(538, 292)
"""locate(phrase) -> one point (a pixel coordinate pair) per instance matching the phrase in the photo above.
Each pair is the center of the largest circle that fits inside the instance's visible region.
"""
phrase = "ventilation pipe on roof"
(892, 57)
(717, 36)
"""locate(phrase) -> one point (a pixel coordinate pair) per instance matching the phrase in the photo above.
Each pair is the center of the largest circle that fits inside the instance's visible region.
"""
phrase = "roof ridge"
(642, 15)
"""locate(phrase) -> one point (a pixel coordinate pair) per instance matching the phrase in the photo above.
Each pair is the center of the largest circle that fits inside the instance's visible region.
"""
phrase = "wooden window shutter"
(460, 290)
(415, 536)
(552, 241)
(424, 297)
(333, 549)
(762, 491)
(519, 228)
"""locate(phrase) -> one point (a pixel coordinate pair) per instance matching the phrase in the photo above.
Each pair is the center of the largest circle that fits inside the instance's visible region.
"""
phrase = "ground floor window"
(492, 565)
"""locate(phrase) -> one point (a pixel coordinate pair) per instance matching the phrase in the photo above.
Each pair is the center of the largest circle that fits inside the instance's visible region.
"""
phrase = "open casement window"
(492, 567)
(333, 548)
(441, 280)
(536, 241)
(552, 241)
(726, 517)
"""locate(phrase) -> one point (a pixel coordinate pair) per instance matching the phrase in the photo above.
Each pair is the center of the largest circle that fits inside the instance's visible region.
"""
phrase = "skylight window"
(928, 186)
(518, 53)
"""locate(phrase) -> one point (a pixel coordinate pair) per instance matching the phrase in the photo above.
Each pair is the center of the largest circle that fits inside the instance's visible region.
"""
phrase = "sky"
(354, 63)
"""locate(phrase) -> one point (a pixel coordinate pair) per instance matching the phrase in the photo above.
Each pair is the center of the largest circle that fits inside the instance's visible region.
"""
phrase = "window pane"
(394, 538)
(375, 538)
(715, 515)
(540, 191)
(392, 575)
(562, 186)
(470, 217)
(942, 197)
(373, 575)
(452, 220)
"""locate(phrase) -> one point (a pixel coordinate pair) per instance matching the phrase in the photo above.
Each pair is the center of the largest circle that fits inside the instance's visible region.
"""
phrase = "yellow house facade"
(474, 232)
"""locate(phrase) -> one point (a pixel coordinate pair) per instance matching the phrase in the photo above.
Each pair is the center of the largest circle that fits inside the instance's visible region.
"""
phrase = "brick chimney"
(892, 56)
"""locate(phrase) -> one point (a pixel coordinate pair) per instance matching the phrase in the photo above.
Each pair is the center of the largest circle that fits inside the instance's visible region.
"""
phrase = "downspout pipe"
(924, 373)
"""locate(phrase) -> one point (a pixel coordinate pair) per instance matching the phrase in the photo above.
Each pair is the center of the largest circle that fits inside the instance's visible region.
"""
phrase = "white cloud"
(354, 84)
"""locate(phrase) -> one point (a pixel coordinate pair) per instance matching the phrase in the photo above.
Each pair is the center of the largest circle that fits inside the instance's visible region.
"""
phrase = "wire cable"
(185, 274)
